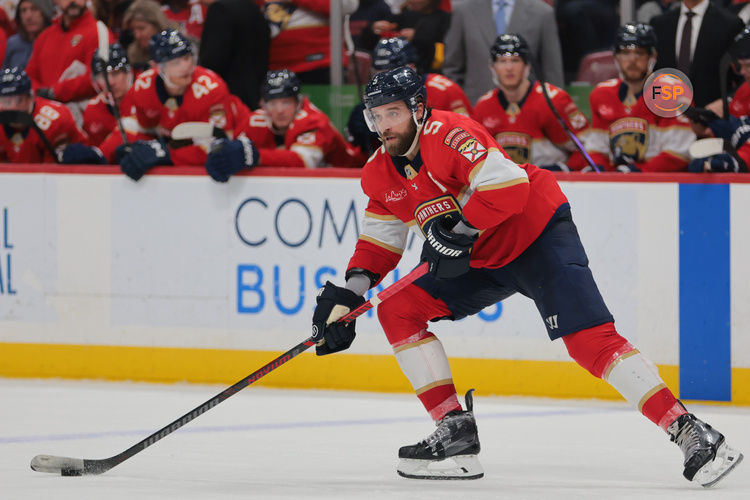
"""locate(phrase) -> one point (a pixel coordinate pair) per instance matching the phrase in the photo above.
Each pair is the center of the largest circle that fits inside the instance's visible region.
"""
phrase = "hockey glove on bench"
(334, 302)
(139, 157)
(227, 157)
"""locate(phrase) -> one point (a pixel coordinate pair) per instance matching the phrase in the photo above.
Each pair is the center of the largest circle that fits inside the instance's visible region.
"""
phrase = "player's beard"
(633, 74)
(74, 11)
(400, 143)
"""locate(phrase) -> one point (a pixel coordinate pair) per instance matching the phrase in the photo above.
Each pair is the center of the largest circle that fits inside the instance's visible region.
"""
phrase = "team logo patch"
(218, 116)
(306, 138)
(472, 150)
(76, 40)
(629, 136)
(518, 146)
(436, 207)
(451, 134)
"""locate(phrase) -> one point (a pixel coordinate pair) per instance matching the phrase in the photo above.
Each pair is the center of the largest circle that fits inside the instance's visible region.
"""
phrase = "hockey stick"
(540, 75)
(102, 33)
(188, 130)
(25, 119)
(66, 466)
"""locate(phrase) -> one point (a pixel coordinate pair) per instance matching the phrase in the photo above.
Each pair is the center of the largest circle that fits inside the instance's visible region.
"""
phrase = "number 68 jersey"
(458, 158)
(25, 146)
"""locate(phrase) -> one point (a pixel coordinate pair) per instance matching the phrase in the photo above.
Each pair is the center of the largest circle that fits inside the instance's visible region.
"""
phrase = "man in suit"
(235, 44)
(475, 24)
(693, 39)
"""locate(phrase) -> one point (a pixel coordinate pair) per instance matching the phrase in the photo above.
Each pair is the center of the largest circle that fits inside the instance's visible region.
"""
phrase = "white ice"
(278, 444)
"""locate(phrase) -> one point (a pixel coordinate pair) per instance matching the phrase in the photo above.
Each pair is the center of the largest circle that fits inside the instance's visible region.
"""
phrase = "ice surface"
(279, 444)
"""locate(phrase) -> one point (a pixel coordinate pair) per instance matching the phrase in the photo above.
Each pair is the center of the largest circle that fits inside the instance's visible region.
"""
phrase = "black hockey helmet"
(392, 53)
(398, 84)
(14, 81)
(740, 48)
(510, 44)
(635, 35)
(282, 83)
(118, 60)
(168, 45)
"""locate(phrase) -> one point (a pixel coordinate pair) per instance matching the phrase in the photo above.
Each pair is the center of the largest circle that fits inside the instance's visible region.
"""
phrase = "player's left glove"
(139, 157)
(624, 162)
(447, 252)
(227, 157)
(80, 154)
(334, 302)
(723, 162)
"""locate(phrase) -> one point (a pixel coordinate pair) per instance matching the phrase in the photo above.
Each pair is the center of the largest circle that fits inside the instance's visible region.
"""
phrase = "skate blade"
(714, 471)
(458, 467)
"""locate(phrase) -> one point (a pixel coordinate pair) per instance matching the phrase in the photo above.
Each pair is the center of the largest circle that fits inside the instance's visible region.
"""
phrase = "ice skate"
(708, 458)
(448, 453)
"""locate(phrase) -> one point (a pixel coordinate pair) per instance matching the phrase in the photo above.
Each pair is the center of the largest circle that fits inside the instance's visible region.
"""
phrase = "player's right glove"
(334, 302)
(723, 162)
(139, 157)
(80, 154)
(447, 252)
(227, 157)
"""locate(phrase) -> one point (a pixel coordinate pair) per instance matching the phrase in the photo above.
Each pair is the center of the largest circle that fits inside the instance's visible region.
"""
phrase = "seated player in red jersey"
(624, 134)
(491, 229)
(288, 131)
(442, 92)
(174, 91)
(518, 116)
(34, 129)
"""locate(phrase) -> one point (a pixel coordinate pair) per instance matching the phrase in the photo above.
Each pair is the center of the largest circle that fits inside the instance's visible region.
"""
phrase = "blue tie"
(500, 24)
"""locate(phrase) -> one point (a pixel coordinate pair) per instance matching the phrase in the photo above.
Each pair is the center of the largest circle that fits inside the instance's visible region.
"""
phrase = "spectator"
(35, 137)
(173, 92)
(360, 23)
(301, 37)
(693, 39)
(586, 26)
(424, 24)
(625, 135)
(189, 15)
(59, 63)
(442, 93)
(235, 45)
(473, 30)
(287, 132)
(145, 18)
(32, 17)
(518, 116)
(653, 8)
(741, 8)
(111, 12)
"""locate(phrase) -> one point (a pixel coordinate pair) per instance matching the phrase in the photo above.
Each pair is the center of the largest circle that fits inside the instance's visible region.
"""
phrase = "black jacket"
(717, 31)
(235, 44)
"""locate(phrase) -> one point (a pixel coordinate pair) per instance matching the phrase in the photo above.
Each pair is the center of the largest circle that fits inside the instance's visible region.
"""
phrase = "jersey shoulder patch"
(466, 144)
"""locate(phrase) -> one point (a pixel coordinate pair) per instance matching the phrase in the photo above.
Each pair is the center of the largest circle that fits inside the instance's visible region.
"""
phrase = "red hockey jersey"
(311, 141)
(190, 19)
(206, 99)
(443, 93)
(529, 131)
(740, 104)
(658, 144)
(98, 119)
(509, 203)
(61, 59)
(25, 146)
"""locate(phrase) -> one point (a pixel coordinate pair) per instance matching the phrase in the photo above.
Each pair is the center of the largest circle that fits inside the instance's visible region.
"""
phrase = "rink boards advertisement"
(180, 278)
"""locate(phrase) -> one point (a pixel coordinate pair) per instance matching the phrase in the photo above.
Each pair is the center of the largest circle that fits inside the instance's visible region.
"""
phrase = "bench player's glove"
(723, 162)
(447, 252)
(139, 157)
(80, 154)
(227, 157)
(334, 302)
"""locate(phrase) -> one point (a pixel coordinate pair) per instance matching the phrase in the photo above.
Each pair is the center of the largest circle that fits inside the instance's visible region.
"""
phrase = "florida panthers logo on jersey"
(629, 136)
(518, 146)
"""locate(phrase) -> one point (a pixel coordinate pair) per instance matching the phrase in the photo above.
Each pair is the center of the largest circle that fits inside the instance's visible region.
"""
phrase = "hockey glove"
(556, 167)
(334, 302)
(141, 156)
(446, 252)
(723, 162)
(80, 154)
(227, 157)
(624, 163)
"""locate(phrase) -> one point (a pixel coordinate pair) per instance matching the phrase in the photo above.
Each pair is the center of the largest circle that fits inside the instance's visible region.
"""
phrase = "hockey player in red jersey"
(34, 129)
(442, 93)
(624, 134)
(739, 106)
(288, 131)
(518, 116)
(173, 92)
(492, 228)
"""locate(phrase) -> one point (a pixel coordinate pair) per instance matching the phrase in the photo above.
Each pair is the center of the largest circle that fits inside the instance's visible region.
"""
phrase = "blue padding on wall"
(705, 299)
